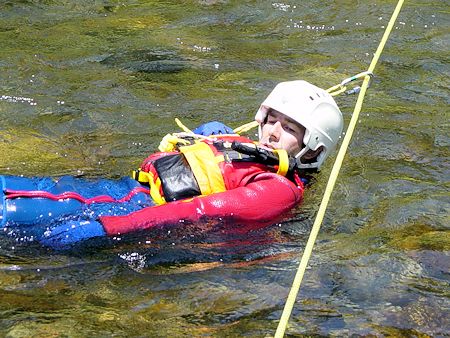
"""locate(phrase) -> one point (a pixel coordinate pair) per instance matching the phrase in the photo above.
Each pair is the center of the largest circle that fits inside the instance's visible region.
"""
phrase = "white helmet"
(314, 109)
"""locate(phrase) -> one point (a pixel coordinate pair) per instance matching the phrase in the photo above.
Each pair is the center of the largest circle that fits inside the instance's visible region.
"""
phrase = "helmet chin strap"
(317, 159)
(304, 150)
(299, 161)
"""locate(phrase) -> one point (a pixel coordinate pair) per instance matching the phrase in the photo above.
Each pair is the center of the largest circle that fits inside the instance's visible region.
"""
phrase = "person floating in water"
(209, 173)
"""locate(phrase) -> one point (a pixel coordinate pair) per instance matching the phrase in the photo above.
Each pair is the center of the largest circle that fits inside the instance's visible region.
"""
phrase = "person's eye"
(290, 129)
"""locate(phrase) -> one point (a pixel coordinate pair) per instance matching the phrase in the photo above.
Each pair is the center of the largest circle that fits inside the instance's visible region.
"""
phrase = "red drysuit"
(254, 192)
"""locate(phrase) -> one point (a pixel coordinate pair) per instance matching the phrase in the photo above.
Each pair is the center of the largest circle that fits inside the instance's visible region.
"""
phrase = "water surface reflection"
(88, 88)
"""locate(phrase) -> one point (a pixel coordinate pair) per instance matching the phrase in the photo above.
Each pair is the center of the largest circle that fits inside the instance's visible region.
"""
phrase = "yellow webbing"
(283, 165)
(246, 127)
(170, 137)
(331, 182)
(204, 166)
(170, 142)
(144, 177)
(182, 126)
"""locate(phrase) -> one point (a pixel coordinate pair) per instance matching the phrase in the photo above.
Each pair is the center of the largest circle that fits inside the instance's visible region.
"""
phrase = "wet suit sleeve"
(265, 197)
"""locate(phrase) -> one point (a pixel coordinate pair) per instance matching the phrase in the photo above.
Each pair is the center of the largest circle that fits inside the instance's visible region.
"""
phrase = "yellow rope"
(331, 182)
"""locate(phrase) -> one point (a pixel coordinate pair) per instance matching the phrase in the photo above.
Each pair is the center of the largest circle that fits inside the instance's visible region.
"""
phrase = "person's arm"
(266, 197)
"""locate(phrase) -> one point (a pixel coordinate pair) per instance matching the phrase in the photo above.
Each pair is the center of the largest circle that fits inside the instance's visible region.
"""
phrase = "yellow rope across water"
(332, 180)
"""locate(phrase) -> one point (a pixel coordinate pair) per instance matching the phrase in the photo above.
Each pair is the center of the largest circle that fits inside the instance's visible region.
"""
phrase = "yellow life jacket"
(193, 170)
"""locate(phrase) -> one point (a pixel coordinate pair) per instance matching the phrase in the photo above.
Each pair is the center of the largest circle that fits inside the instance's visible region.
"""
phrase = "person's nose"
(275, 132)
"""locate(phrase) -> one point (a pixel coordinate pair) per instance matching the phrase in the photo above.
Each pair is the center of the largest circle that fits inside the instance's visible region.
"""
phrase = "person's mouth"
(266, 145)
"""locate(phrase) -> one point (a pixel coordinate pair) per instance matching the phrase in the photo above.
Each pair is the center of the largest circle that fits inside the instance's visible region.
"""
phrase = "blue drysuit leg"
(34, 211)
(38, 215)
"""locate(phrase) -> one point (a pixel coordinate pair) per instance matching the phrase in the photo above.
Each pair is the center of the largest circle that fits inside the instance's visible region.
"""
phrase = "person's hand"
(63, 236)
(213, 128)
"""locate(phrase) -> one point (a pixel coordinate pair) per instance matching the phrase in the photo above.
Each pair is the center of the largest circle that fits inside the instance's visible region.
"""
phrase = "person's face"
(281, 132)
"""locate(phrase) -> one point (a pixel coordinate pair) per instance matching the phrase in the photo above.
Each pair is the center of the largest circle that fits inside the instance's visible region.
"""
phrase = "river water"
(88, 88)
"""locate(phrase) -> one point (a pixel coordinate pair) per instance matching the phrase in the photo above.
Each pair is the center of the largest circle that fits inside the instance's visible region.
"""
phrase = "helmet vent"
(312, 99)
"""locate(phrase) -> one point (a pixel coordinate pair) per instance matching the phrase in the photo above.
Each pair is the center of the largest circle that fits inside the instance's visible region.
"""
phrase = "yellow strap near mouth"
(283, 157)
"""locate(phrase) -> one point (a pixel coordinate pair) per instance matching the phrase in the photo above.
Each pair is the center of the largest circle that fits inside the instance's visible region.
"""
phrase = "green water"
(89, 88)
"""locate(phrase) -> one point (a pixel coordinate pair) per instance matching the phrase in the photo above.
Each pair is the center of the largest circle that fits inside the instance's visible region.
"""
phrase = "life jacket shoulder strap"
(205, 167)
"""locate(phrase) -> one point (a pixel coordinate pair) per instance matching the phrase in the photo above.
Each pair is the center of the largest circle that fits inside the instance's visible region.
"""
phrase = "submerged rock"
(148, 61)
